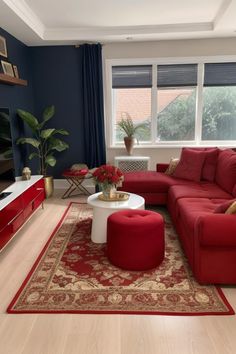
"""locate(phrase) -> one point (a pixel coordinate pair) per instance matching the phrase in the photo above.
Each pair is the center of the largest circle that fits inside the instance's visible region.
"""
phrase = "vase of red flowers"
(108, 178)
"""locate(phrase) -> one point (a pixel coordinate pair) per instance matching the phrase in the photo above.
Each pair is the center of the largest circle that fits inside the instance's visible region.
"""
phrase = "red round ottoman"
(135, 239)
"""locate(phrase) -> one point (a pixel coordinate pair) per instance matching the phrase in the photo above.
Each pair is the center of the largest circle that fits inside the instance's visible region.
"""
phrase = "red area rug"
(73, 275)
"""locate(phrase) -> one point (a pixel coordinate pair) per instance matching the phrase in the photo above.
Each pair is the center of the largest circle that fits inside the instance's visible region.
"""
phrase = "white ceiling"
(44, 22)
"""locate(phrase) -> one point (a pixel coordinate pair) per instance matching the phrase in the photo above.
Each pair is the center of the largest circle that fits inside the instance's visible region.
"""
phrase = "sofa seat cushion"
(201, 190)
(150, 182)
(190, 209)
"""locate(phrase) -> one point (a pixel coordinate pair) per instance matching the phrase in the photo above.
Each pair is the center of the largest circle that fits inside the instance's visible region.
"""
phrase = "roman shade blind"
(220, 74)
(177, 75)
(132, 76)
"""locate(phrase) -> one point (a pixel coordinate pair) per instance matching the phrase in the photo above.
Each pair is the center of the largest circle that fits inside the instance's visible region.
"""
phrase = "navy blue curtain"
(93, 110)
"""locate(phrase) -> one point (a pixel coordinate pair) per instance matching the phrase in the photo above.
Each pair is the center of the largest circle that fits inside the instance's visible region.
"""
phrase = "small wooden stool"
(76, 178)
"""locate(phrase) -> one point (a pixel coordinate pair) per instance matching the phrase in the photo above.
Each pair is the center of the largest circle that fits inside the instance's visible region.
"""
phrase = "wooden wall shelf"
(10, 80)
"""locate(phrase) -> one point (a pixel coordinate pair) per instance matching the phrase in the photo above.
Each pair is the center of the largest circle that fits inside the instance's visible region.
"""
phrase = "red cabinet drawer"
(34, 204)
(39, 199)
(10, 211)
(5, 236)
(8, 231)
(31, 193)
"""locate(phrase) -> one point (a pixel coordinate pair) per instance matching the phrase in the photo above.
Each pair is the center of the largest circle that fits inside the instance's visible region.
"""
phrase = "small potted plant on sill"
(45, 141)
(127, 126)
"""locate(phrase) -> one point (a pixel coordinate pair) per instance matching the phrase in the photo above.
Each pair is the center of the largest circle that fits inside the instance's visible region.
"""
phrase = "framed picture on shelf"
(16, 73)
(7, 68)
(3, 47)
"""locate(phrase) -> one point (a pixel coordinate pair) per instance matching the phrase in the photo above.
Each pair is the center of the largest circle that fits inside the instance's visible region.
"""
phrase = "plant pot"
(129, 144)
(48, 186)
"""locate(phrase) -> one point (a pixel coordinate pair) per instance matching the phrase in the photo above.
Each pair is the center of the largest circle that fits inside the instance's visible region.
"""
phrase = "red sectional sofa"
(208, 236)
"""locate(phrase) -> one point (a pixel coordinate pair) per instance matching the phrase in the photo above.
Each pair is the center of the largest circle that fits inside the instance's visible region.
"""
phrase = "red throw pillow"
(210, 163)
(234, 191)
(226, 170)
(190, 165)
(75, 173)
(224, 206)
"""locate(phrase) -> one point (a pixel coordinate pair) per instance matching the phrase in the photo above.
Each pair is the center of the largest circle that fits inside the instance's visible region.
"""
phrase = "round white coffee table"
(101, 211)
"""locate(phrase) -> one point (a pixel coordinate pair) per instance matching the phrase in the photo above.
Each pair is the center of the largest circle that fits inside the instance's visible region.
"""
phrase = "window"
(219, 102)
(174, 106)
(176, 114)
(176, 102)
(131, 87)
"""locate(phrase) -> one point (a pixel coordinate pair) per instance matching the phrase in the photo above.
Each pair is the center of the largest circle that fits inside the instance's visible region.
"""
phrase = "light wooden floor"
(102, 334)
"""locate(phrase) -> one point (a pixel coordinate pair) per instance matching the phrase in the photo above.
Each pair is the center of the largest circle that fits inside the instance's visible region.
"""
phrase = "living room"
(47, 62)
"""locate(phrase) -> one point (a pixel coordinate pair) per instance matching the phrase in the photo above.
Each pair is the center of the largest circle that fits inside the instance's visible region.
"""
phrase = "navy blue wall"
(54, 77)
(57, 81)
(14, 97)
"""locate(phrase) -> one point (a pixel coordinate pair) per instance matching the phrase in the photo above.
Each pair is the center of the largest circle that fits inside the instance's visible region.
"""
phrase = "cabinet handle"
(15, 217)
(39, 189)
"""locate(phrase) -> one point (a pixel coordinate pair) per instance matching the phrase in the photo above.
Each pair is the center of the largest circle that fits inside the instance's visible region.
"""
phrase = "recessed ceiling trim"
(221, 12)
(81, 33)
(22, 10)
(21, 19)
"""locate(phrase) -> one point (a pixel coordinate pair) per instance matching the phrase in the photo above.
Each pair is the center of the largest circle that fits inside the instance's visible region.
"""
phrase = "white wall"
(158, 49)
(178, 48)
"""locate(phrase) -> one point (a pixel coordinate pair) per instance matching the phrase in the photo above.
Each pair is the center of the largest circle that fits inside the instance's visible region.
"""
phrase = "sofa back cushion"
(190, 165)
(226, 170)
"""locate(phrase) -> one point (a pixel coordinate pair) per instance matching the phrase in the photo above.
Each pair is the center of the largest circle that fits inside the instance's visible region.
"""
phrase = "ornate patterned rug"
(73, 275)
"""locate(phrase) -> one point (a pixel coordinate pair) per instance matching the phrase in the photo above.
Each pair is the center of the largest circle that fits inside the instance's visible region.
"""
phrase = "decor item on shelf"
(16, 73)
(127, 126)
(3, 47)
(26, 173)
(45, 142)
(7, 68)
(108, 177)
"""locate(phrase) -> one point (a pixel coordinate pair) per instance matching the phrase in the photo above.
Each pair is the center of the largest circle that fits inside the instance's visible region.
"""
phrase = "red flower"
(107, 174)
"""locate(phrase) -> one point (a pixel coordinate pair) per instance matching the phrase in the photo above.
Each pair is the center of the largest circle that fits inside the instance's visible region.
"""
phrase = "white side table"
(132, 163)
(101, 211)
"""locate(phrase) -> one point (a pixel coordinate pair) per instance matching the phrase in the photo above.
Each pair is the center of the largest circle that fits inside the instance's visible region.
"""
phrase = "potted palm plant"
(44, 141)
(127, 126)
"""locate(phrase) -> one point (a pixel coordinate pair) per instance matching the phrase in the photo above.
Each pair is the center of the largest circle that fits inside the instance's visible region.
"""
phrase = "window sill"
(171, 146)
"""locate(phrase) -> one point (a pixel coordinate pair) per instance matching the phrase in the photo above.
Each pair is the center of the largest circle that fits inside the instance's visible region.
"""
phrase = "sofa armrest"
(216, 230)
(161, 167)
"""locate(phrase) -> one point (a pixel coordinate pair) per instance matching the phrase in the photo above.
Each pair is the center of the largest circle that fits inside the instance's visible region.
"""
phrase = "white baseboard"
(63, 184)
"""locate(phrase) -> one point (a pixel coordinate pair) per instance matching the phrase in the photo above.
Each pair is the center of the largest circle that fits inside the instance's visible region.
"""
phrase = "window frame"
(109, 100)
(176, 141)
